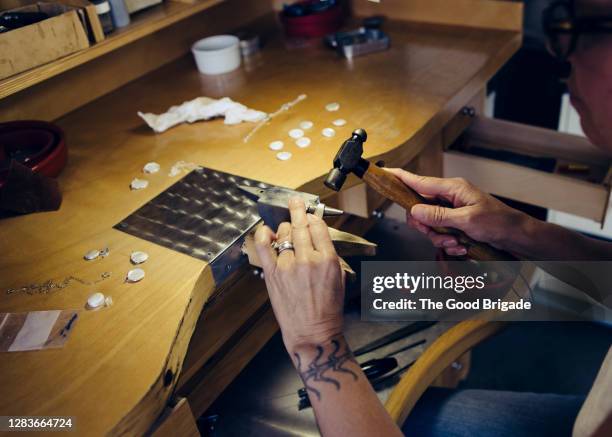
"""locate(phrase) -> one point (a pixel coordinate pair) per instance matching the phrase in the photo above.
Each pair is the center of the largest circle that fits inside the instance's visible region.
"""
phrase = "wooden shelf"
(143, 24)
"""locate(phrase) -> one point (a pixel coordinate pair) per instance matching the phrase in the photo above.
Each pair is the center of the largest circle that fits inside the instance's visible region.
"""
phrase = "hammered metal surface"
(202, 215)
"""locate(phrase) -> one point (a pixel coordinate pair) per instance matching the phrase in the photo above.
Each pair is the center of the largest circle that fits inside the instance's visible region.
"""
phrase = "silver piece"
(302, 142)
(276, 145)
(91, 255)
(332, 107)
(151, 167)
(104, 252)
(328, 132)
(284, 156)
(94, 301)
(296, 133)
(306, 124)
(139, 184)
(135, 275)
(339, 122)
(138, 257)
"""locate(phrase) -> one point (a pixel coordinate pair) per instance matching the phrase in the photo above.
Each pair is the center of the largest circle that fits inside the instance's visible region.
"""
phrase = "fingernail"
(461, 251)
(417, 211)
(449, 243)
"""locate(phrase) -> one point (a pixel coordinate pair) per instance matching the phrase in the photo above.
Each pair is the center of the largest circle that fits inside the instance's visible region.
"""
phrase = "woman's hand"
(480, 215)
(306, 285)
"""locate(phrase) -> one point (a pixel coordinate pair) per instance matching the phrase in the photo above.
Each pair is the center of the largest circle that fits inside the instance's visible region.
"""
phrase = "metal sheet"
(204, 215)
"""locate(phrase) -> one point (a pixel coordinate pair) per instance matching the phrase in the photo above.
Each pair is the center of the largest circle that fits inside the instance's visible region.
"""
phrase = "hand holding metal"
(273, 204)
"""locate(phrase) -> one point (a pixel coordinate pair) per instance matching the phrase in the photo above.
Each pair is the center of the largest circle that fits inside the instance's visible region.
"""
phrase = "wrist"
(525, 235)
(311, 345)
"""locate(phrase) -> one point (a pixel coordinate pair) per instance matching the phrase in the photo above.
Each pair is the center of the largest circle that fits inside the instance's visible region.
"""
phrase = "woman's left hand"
(306, 284)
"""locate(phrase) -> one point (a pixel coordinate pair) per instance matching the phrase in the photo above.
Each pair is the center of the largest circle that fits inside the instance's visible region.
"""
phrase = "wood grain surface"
(118, 368)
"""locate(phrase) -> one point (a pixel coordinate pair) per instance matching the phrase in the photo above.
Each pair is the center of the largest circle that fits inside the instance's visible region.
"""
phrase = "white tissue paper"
(202, 108)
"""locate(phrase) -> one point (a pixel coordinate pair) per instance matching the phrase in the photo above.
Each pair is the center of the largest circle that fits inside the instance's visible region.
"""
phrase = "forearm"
(343, 400)
(537, 240)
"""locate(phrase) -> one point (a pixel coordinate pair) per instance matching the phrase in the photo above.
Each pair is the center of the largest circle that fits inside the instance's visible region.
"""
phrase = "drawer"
(541, 167)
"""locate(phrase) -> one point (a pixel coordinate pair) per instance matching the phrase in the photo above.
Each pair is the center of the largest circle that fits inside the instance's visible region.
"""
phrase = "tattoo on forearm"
(325, 369)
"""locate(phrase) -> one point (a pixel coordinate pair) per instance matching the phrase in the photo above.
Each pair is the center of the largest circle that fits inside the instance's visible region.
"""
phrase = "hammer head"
(347, 160)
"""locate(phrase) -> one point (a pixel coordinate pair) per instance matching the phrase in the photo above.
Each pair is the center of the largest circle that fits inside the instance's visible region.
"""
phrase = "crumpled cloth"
(202, 108)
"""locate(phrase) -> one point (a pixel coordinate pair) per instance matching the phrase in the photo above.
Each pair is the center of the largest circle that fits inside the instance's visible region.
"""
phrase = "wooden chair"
(448, 348)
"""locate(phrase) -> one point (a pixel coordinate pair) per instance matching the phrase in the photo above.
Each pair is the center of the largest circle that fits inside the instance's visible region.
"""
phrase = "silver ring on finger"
(285, 245)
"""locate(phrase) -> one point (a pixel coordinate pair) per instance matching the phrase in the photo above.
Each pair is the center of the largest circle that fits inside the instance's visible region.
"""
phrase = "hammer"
(349, 160)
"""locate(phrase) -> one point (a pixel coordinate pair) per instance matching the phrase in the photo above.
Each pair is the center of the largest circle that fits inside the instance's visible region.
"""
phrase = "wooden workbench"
(121, 364)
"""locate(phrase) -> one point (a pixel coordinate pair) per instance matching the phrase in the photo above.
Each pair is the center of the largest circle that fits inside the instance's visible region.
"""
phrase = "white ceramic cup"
(217, 54)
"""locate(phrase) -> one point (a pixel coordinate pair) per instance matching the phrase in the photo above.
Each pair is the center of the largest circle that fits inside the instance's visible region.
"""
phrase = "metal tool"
(273, 202)
(367, 39)
(403, 332)
(349, 160)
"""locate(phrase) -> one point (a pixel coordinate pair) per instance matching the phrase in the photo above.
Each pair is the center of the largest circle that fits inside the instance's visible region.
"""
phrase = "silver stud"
(135, 275)
(296, 133)
(138, 257)
(328, 132)
(96, 300)
(283, 156)
(151, 167)
(302, 142)
(276, 145)
(139, 184)
(91, 255)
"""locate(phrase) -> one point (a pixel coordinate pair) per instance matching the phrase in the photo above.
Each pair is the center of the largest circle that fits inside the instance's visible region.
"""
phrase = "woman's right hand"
(480, 215)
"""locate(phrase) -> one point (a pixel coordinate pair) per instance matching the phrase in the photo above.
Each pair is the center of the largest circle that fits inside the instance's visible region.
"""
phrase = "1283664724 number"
(33, 423)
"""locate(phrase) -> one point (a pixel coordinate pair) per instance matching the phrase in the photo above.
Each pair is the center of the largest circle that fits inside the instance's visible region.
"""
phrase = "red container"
(314, 25)
(42, 144)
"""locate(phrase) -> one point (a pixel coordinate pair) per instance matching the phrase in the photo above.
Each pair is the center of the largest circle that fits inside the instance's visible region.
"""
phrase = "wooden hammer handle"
(392, 188)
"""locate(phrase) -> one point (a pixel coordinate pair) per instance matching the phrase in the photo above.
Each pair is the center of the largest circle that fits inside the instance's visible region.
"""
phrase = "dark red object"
(314, 25)
(38, 145)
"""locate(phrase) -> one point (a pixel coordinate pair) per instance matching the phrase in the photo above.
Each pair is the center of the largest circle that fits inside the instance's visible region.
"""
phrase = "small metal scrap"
(332, 107)
(302, 142)
(91, 255)
(138, 257)
(94, 301)
(139, 184)
(296, 133)
(151, 167)
(97, 300)
(276, 145)
(283, 156)
(181, 166)
(95, 253)
(328, 132)
(135, 275)
(339, 122)
(306, 124)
